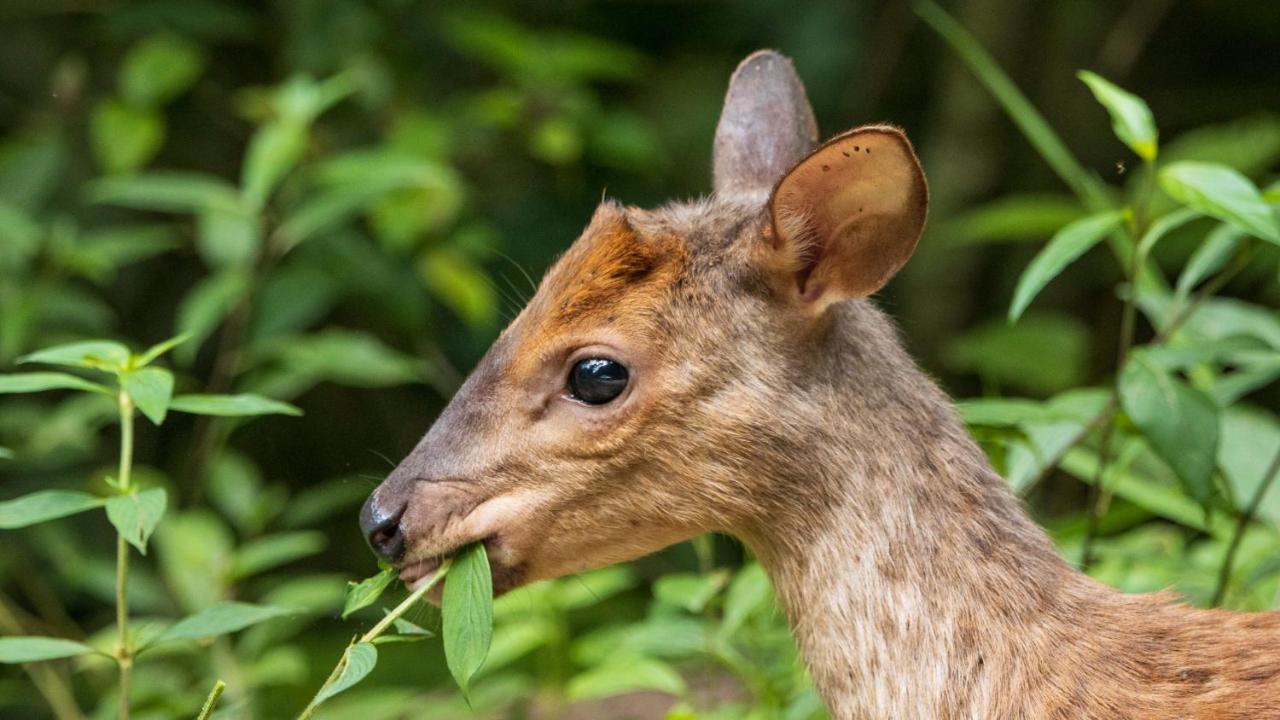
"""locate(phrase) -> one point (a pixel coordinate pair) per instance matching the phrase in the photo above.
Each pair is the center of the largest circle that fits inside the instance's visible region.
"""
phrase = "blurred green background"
(404, 170)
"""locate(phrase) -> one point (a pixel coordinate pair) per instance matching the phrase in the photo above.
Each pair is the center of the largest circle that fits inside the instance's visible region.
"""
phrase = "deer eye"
(596, 381)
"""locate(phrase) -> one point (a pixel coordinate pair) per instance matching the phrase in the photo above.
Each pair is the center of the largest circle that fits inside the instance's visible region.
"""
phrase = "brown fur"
(916, 584)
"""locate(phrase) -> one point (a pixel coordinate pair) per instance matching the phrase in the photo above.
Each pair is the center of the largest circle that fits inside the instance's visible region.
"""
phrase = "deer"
(719, 365)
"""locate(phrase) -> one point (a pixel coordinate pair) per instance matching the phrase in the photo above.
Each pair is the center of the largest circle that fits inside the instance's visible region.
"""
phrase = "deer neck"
(918, 584)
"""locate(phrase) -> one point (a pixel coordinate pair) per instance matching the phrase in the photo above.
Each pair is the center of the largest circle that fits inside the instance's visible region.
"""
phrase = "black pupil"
(597, 380)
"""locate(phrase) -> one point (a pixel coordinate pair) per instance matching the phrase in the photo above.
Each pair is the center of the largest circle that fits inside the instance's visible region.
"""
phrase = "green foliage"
(467, 614)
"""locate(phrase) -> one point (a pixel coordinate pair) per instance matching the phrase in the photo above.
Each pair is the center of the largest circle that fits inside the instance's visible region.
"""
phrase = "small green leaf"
(1179, 421)
(227, 237)
(221, 619)
(272, 551)
(1218, 247)
(1066, 246)
(1223, 193)
(94, 354)
(460, 285)
(625, 674)
(165, 192)
(25, 649)
(6, 453)
(748, 593)
(404, 627)
(158, 69)
(159, 349)
(367, 591)
(205, 306)
(467, 613)
(357, 662)
(136, 515)
(123, 137)
(40, 381)
(150, 388)
(1130, 117)
(689, 591)
(242, 405)
(273, 152)
(45, 505)
(1163, 226)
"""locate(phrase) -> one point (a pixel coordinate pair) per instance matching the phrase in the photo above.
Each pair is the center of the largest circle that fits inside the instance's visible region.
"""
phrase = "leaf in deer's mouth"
(467, 613)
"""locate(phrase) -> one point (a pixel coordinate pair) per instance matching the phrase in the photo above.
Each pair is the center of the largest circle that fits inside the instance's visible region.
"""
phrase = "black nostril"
(382, 529)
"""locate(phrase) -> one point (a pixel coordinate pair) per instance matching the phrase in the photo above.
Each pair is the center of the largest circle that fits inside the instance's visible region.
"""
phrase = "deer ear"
(848, 216)
(766, 125)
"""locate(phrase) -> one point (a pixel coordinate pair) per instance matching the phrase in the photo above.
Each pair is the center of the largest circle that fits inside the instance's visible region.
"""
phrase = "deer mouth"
(414, 573)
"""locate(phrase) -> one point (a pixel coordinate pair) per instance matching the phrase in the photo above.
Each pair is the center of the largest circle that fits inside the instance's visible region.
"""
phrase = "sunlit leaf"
(244, 404)
(45, 505)
(34, 649)
(467, 614)
(41, 381)
(150, 388)
(95, 354)
(136, 515)
(1180, 421)
(357, 662)
(1223, 193)
(158, 69)
(1130, 117)
(1070, 243)
(124, 137)
(221, 619)
(366, 592)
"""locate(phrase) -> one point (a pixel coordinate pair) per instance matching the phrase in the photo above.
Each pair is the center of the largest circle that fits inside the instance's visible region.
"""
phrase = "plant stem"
(210, 702)
(124, 647)
(1242, 524)
(375, 631)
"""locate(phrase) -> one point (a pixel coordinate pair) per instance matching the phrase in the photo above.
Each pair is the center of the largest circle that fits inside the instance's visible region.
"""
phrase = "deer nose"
(381, 528)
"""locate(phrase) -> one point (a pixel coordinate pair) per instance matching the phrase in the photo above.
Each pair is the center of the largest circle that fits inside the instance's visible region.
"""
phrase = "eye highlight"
(596, 381)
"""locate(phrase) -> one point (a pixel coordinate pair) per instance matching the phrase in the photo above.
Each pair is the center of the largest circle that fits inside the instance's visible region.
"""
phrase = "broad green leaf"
(1179, 421)
(25, 649)
(166, 192)
(1066, 246)
(689, 591)
(227, 237)
(461, 285)
(349, 358)
(271, 551)
(467, 613)
(124, 137)
(1042, 354)
(1163, 226)
(242, 405)
(95, 354)
(40, 381)
(626, 674)
(205, 306)
(273, 151)
(136, 515)
(1223, 193)
(747, 594)
(366, 592)
(357, 662)
(221, 619)
(195, 550)
(159, 349)
(1218, 247)
(1130, 117)
(1250, 440)
(45, 505)
(158, 69)
(150, 388)
(1005, 412)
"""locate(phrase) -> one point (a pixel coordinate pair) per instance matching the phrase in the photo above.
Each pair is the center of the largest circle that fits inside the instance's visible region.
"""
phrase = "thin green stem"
(1242, 524)
(376, 631)
(212, 701)
(124, 646)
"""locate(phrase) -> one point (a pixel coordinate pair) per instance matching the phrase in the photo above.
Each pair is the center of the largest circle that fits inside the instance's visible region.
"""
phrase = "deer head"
(673, 366)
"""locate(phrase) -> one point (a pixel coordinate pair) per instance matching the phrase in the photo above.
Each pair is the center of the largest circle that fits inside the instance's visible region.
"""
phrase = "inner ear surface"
(850, 214)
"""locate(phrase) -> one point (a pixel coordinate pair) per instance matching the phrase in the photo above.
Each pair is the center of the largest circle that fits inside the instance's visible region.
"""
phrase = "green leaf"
(626, 674)
(1247, 434)
(94, 354)
(1163, 226)
(467, 613)
(461, 285)
(227, 236)
(357, 662)
(1013, 218)
(242, 405)
(159, 69)
(1130, 117)
(273, 152)
(205, 306)
(45, 505)
(272, 551)
(40, 381)
(404, 627)
(350, 358)
(25, 649)
(1044, 353)
(6, 453)
(1180, 422)
(159, 349)
(1070, 243)
(689, 591)
(124, 137)
(221, 619)
(166, 192)
(749, 592)
(150, 388)
(136, 515)
(1218, 247)
(1221, 192)
(1005, 412)
(366, 592)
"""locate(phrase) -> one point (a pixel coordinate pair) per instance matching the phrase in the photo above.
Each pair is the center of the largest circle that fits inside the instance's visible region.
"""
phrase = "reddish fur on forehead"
(610, 270)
